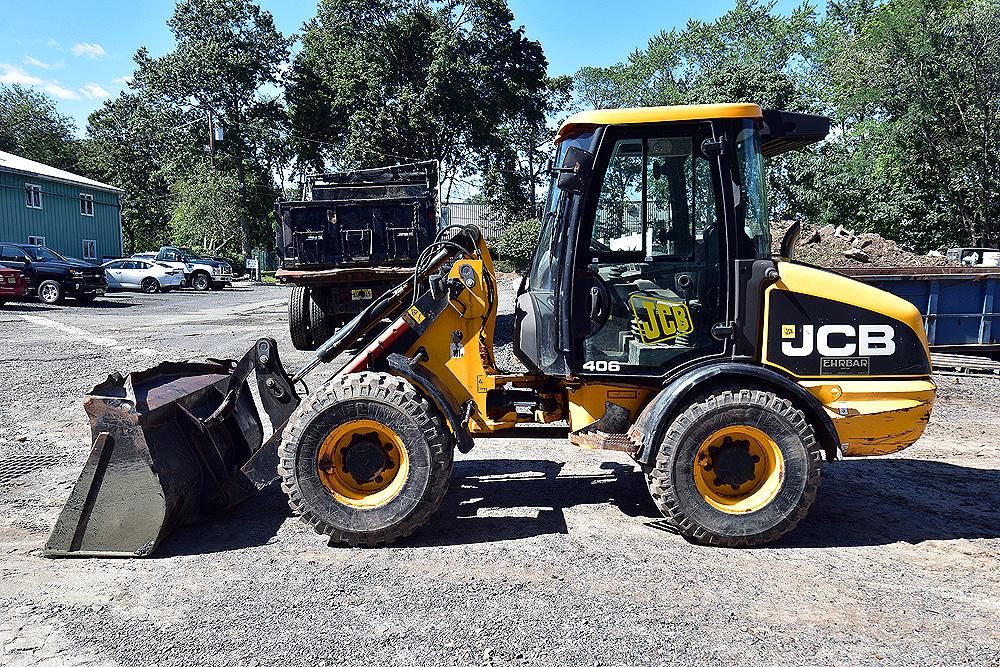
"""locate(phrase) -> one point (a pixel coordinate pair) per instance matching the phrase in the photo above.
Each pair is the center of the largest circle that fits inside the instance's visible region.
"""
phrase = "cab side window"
(656, 199)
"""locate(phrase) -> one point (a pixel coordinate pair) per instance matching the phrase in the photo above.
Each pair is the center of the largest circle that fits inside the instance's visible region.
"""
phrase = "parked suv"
(200, 272)
(51, 276)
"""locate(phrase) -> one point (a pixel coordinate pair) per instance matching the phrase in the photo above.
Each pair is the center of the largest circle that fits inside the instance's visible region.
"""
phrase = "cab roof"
(657, 115)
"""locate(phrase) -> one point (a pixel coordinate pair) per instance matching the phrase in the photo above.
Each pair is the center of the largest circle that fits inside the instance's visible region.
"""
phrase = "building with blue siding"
(73, 215)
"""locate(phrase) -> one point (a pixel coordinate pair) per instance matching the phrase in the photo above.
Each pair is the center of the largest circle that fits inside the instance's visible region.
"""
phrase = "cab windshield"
(42, 254)
(753, 202)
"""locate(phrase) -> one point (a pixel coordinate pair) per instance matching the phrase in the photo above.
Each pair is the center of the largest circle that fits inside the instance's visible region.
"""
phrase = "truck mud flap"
(173, 445)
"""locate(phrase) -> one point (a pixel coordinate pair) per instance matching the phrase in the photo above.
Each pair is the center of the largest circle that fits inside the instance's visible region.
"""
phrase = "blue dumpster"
(959, 304)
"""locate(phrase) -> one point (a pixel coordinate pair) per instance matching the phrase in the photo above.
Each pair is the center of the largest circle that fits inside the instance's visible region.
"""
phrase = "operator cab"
(651, 214)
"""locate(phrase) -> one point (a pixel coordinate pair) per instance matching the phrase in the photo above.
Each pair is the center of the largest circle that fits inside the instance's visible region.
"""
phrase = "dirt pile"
(836, 247)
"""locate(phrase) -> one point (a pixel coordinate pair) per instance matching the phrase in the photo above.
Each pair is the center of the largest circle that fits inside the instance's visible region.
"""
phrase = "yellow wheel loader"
(654, 321)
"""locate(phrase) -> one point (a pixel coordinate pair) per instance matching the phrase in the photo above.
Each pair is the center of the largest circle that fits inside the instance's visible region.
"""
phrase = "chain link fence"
(486, 217)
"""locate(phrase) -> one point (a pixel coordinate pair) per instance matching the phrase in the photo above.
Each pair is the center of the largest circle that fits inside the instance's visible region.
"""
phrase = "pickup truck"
(201, 273)
(12, 285)
(53, 277)
(352, 237)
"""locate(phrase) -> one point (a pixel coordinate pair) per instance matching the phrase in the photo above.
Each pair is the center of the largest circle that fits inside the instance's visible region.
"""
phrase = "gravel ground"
(542, 553)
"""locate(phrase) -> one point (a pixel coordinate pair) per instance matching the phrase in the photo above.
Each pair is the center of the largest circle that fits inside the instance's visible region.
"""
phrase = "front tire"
(365, 460)
(201, 281)
(150, 285)
(738, 467)
(50, 292)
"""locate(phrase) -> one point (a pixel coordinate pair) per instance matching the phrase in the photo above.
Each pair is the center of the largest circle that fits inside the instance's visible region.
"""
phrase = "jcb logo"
(660, 320)
(838, 340)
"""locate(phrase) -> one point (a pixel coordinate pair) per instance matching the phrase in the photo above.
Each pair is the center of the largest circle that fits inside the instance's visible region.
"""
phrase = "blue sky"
(80, 53)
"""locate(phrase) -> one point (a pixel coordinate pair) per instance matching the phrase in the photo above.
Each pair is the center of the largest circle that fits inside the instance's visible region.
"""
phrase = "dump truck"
(354, 236)
(654, 321)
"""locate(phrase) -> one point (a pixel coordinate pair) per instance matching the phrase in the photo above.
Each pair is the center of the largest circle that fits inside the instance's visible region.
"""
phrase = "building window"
(89, 249)
(33, 195)
(86, 204)
(36, 240)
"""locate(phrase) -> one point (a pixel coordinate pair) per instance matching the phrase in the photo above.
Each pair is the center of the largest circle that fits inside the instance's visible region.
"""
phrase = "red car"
(12, 285)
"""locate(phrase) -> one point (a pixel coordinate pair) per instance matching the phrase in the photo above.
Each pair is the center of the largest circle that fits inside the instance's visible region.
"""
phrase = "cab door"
(649, 283)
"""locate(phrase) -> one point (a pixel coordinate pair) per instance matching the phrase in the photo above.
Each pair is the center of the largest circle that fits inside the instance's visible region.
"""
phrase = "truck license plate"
(361, 294)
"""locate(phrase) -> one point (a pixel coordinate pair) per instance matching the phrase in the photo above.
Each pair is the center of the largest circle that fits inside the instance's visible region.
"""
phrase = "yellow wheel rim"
(738, 469)
(363, 463)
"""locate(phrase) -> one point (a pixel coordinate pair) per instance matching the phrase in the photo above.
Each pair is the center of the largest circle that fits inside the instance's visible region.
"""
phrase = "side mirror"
(789, 240)
(575, 171)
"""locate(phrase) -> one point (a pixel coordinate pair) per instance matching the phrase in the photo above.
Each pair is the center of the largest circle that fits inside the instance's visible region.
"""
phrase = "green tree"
(385, 81)
(227, 60)
(207, 209)
(917, 83)
(33, 128)
(513, 168)
(138, 145)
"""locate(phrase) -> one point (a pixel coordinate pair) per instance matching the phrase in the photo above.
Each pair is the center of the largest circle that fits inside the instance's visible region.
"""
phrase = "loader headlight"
(76, 273)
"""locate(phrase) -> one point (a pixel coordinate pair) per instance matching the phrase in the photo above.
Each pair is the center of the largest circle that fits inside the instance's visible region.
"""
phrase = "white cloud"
(34, 62)
(53, 88)
(11, 74)
(53, 44)
(92, 51)
(94, 92)
(123, 80)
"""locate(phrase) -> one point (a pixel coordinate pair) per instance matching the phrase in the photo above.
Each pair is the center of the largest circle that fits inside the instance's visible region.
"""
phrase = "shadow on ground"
(860, 503)
(507, 499)
(104, 303)
(253, 523)
(865, 502)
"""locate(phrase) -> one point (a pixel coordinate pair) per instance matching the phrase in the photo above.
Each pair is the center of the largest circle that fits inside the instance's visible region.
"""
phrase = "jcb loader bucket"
(173, 445)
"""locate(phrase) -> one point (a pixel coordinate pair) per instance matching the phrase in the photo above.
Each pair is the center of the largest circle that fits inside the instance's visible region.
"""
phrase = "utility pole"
(211, 139)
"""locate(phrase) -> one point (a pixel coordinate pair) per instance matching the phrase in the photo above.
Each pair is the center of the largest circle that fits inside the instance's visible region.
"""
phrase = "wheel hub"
(365, 458)
(362, 463)
(738, 469)
(732, 462)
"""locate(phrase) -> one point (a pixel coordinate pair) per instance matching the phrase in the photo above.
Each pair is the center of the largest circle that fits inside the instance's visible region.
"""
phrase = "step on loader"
(654, 320)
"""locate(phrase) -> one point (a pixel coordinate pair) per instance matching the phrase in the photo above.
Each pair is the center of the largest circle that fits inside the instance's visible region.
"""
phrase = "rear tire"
(738, 467)
(150, 285)
(298, 318)
(322, 324)
(50, 292)
(367, 414)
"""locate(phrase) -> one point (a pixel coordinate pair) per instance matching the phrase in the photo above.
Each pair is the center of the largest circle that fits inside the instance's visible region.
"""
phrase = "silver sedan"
(148, 276)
